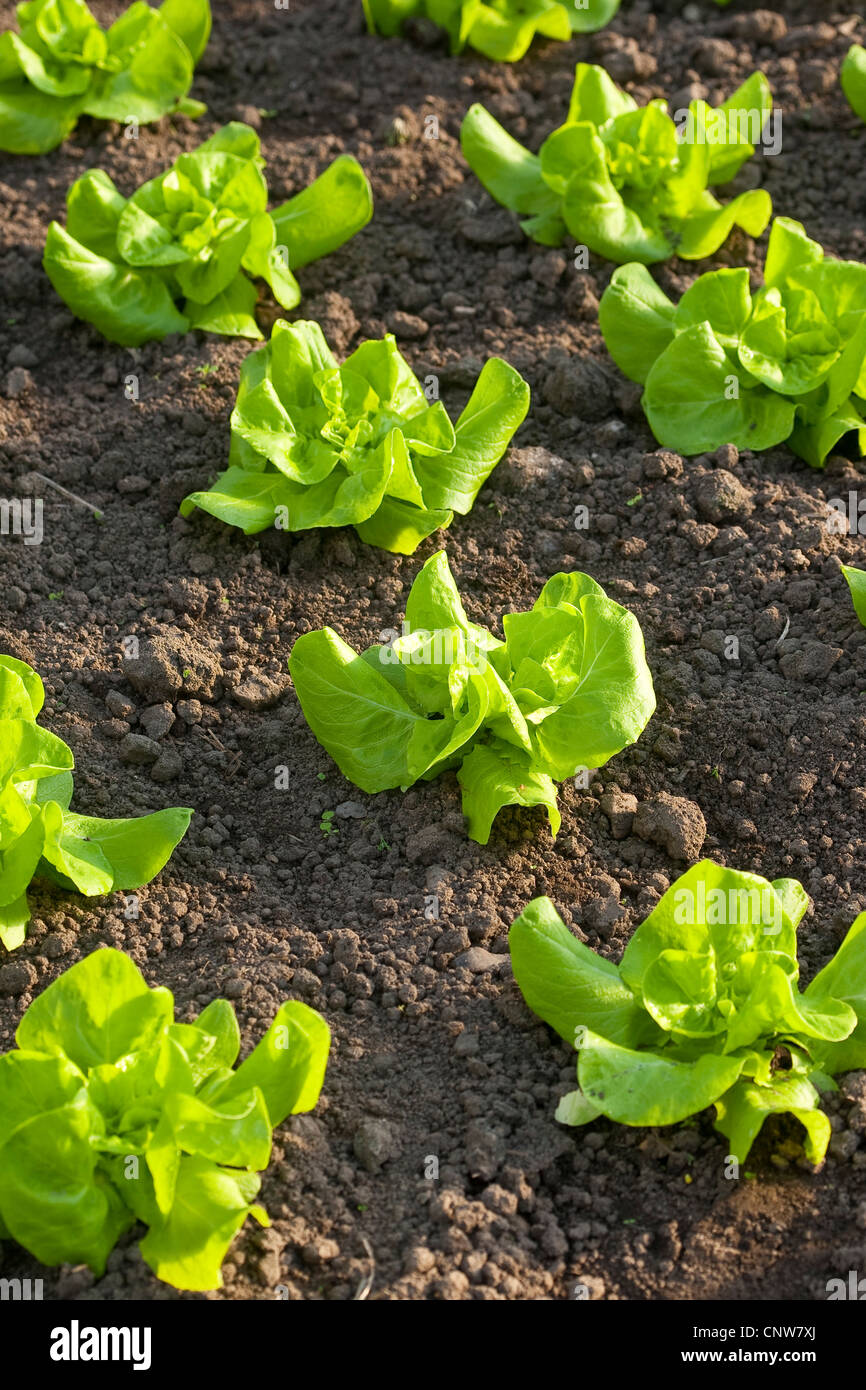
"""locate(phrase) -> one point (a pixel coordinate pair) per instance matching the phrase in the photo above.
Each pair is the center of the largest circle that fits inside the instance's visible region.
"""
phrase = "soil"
(436, 1060)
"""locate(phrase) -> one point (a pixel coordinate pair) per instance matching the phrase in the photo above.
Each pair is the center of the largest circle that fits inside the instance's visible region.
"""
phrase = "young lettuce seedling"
(40, 837)
(704, 1009)
(500, 29)
(178, 253)
(628, 182)
(725, 366)
(112, 1113)
(567, 689)
(316, 444)
(63, 65)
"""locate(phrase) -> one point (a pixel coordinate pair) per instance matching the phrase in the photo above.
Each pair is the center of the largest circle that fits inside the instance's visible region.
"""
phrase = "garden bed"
(437, 1065)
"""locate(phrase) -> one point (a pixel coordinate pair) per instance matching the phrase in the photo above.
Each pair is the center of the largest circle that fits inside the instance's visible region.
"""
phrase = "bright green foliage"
(567, 690)
(178, 253)
(501, 29)
(627, 181)
(853, 79)
(62, 65)
(40, 836)
(704, 1009)
(111, 1113)
(856, 580)
(316, 444)
(726, 366)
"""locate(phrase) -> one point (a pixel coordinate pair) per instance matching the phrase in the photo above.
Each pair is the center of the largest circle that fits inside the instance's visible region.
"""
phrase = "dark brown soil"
(432, 1060)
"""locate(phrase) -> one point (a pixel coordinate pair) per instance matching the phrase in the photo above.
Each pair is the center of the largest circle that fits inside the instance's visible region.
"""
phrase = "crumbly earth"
(437, 1066)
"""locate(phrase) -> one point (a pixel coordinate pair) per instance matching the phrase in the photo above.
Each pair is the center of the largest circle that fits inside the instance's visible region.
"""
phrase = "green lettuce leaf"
(741, 1114)
(844, 978)
(643, 1088)
(211, 1203)
(568, 985)
(853, 79)
(856, 581)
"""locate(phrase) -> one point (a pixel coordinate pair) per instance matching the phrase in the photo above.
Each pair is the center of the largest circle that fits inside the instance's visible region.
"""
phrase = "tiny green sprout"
(326, 824)
(383, 845)
(715, 772)
(224, 600)
(267, 113)
(187, 672)
(629, 1220)
(321, 776)
(633, 501)
(58, 593)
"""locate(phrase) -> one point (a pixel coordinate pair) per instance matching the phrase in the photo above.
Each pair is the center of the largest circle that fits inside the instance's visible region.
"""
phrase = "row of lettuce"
(783, 363)
(566, 690)
(113, 1114)
(61, 64)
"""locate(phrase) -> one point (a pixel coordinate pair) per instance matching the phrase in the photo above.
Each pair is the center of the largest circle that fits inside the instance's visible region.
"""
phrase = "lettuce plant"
(566, 690)
(704, 1009)
(40, 837)
(856, 581)
(316, 444)
(177, 254)
(853, 79)
(726, 366)
(62, 65)
(112, 1113)
(627, 181)
(500, 29)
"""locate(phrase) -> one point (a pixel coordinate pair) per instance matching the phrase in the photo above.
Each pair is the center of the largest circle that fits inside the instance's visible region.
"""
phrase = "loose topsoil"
(436, 1061)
